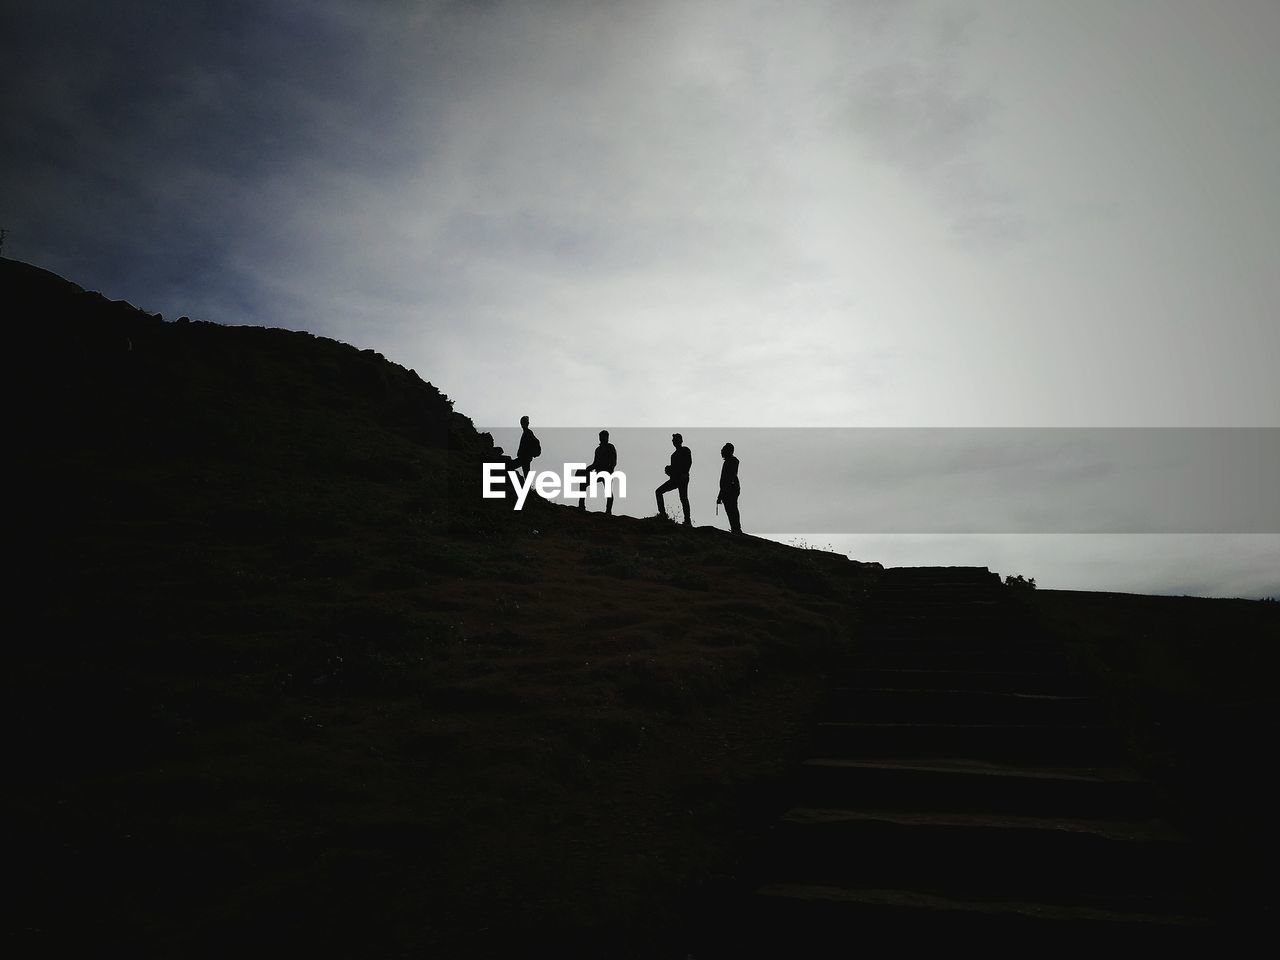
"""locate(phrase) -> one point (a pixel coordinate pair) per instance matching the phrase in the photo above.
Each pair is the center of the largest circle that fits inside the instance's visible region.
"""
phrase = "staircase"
(962, 781)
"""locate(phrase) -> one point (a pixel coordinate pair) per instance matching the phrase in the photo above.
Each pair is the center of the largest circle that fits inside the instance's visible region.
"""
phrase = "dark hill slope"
(122, 386)
(286, 682)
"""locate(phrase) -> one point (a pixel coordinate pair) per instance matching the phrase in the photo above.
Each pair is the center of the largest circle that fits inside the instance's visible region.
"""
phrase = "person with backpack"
(677, 478)
(529, 448)
(605, 461)
(729, 487)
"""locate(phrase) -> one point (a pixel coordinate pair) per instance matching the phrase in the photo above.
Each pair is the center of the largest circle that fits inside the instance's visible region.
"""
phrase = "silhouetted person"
(605, 461)
(528, 449)
(677, 478)
(729, 488)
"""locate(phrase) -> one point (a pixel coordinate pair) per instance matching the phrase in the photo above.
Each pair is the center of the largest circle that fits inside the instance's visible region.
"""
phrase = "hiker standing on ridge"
(729, 488)
(528, 449)
(605, 461)
(677, 478)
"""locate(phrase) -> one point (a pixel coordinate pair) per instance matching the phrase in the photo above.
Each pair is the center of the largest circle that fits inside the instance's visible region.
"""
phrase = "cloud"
(691, 211)
(927, 116)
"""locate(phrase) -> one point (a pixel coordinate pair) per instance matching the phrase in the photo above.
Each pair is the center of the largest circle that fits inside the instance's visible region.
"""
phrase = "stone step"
(938, 597)
(969, 656)
(898, 613)
(1140, 864)
(914, 602)
(1009, 681)
(938, 633)
(948, 587)
(1049, 744)
(974, 786)
(811, 920)
(957, 706)
(941, 637)
(980, 576)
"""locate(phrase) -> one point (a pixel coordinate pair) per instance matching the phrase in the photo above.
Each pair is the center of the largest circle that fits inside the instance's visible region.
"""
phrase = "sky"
(1008, 213)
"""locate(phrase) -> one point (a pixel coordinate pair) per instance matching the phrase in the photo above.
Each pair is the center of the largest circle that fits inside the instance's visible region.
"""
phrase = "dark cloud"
(148, 144)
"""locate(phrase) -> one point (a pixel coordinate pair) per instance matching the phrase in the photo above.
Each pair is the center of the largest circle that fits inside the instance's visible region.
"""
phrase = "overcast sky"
(686, 213)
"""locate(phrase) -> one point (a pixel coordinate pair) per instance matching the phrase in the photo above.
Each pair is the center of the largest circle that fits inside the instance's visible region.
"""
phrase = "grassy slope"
(288, 681)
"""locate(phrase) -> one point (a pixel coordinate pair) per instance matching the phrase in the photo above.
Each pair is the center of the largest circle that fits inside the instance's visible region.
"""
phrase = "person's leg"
(669, 485)
(684, 503)
(608, 507)
(731, 511)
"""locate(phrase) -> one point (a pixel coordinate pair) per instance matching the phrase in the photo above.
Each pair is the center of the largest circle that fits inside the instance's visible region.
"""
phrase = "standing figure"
(605, 461)
(729, 488)
(528, 449)
(677, 478)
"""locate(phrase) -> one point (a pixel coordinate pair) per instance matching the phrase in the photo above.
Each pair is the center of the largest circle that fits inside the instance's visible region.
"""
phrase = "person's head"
(676, 440)
(727, 450)
(524, 422)
(604, 436)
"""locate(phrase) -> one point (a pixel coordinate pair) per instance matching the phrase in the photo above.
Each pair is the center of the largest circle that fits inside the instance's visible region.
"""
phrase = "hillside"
(288, 678)
(284, 682)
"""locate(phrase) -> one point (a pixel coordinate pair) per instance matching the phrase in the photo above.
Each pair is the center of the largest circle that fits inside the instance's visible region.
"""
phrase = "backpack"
(535, 447)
